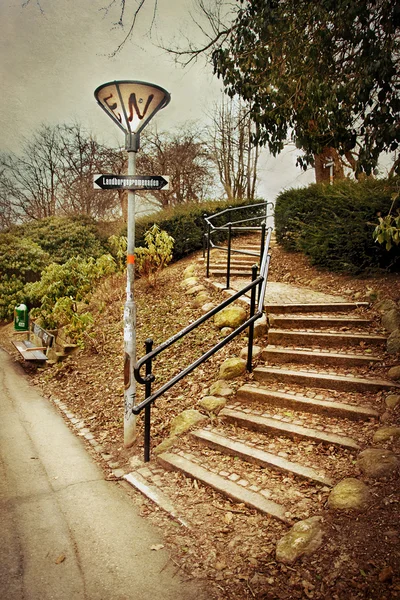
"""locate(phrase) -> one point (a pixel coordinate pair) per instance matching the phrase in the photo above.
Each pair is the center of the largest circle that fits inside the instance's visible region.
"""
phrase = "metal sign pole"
(130, 317)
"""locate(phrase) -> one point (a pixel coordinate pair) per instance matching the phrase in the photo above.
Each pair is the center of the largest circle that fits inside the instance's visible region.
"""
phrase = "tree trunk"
(325, 173)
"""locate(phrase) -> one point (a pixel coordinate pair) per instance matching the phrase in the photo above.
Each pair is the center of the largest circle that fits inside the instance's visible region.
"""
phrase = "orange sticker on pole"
(130, 259)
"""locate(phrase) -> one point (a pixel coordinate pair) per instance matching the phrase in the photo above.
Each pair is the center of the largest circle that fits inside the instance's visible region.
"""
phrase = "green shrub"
(62, 286)
(64, 238)
(21, 261)
(156, 255)
(334, 225)
(185, 223)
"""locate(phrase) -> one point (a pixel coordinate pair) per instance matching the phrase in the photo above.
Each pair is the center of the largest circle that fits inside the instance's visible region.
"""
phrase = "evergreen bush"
(185, 223)
(334, 224)
(64, 238)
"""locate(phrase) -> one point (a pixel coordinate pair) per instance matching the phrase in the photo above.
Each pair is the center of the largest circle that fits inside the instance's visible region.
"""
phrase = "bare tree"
(83, 157)
(232, 149)
(31, 180)
(53, 174)
(182, 155)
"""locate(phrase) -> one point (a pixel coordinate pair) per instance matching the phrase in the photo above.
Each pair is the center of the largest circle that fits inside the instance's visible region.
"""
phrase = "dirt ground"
(226, 544)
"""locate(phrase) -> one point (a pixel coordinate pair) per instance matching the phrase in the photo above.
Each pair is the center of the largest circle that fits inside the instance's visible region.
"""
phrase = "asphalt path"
(65, 532)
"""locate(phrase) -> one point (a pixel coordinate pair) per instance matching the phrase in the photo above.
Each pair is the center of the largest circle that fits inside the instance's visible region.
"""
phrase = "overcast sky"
(52, 61)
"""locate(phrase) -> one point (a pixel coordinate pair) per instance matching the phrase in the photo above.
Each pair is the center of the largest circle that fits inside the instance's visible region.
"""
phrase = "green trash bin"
(21, 318)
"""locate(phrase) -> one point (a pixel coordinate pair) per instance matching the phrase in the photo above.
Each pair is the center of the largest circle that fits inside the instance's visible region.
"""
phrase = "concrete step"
(317, 357)
(175, 462)
(323, 380)
(245, 272)
(234, 262)
(274, 426)
(320, 338)
(296, 322)
(258, 457)
(249, 393)
(314, 307)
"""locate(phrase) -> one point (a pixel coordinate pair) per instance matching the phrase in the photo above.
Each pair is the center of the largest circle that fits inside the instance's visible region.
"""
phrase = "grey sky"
(51, 63)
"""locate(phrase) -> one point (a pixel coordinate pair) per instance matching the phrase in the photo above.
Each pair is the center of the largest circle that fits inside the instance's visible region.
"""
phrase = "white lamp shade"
(131, 104)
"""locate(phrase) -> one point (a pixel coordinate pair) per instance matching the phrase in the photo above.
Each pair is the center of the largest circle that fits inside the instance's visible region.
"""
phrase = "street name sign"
(131, 182)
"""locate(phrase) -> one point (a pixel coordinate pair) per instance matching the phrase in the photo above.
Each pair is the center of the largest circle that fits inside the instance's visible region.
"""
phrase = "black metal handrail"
(151, 353)
(230, 227)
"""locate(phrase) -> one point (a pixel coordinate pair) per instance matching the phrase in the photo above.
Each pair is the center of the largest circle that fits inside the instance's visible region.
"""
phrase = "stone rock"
(385, 304)
(189, 271)
(350, 493)
(212, 404)
(394, 373)
(226, 331)
(377, 463)
(392, 400)
(185, 420)
(384, 434)
(391, 319)
(165, 445)
(207, 307)
(189, 282)
(261, 327)
(256, 352)
(393, 342)
(221, 388)
(195, 290)
(231, 368)
(304, 538)
(372, 295)
(231, 316)
(200, 299)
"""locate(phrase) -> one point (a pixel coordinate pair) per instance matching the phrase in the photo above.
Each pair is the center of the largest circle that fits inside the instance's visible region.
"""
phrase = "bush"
(64, 238)
(334, 225)
(21, 260)
(155, 256)
(185, 224)
(62, 286)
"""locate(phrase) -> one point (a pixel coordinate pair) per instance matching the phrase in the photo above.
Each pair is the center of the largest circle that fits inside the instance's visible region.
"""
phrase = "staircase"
(294, 429)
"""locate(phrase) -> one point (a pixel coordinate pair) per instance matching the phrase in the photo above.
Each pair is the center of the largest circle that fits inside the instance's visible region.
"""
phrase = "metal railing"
(230, 226)
(146, 361)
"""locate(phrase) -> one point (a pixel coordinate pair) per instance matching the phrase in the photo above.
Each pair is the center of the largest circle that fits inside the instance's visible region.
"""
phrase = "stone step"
(258, 457)
(234, 272)
(222, 257)
(326, 339)
(283, 322)
(317, 357)
(314, 307)
(322, 380)
(249, 393)
(273, 426)
(175, 462)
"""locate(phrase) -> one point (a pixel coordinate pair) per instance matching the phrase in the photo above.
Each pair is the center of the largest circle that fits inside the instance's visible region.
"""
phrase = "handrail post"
(204, 234)
(208, 249)
(251, 326)
(228, 266)
(262, 250)
(147, 423)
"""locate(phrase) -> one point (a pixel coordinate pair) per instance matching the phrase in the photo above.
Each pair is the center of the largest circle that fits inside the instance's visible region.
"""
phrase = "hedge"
(185, 223)
(333, 224)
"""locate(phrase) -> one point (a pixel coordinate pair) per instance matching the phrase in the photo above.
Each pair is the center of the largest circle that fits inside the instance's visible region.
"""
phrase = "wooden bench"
(32, 352)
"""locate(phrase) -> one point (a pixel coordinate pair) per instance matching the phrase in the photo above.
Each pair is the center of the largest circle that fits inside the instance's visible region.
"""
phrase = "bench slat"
(29, 351)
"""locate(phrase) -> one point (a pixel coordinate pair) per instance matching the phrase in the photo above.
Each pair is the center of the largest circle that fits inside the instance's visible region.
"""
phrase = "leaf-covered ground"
(227, 545)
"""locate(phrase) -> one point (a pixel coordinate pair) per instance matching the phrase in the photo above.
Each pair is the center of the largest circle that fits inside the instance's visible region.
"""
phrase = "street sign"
(131, 182)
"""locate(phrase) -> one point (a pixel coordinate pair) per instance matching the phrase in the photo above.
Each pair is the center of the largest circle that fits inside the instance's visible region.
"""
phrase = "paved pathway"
(286, 293)
(67, 534)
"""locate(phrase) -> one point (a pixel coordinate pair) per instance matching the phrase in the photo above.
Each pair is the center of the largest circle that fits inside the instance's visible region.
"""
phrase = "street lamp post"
(131, 105)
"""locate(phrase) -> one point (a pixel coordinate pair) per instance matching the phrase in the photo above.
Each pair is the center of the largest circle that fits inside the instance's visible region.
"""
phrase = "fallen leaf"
(60, 559)
(228, 517)
(157, 547)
